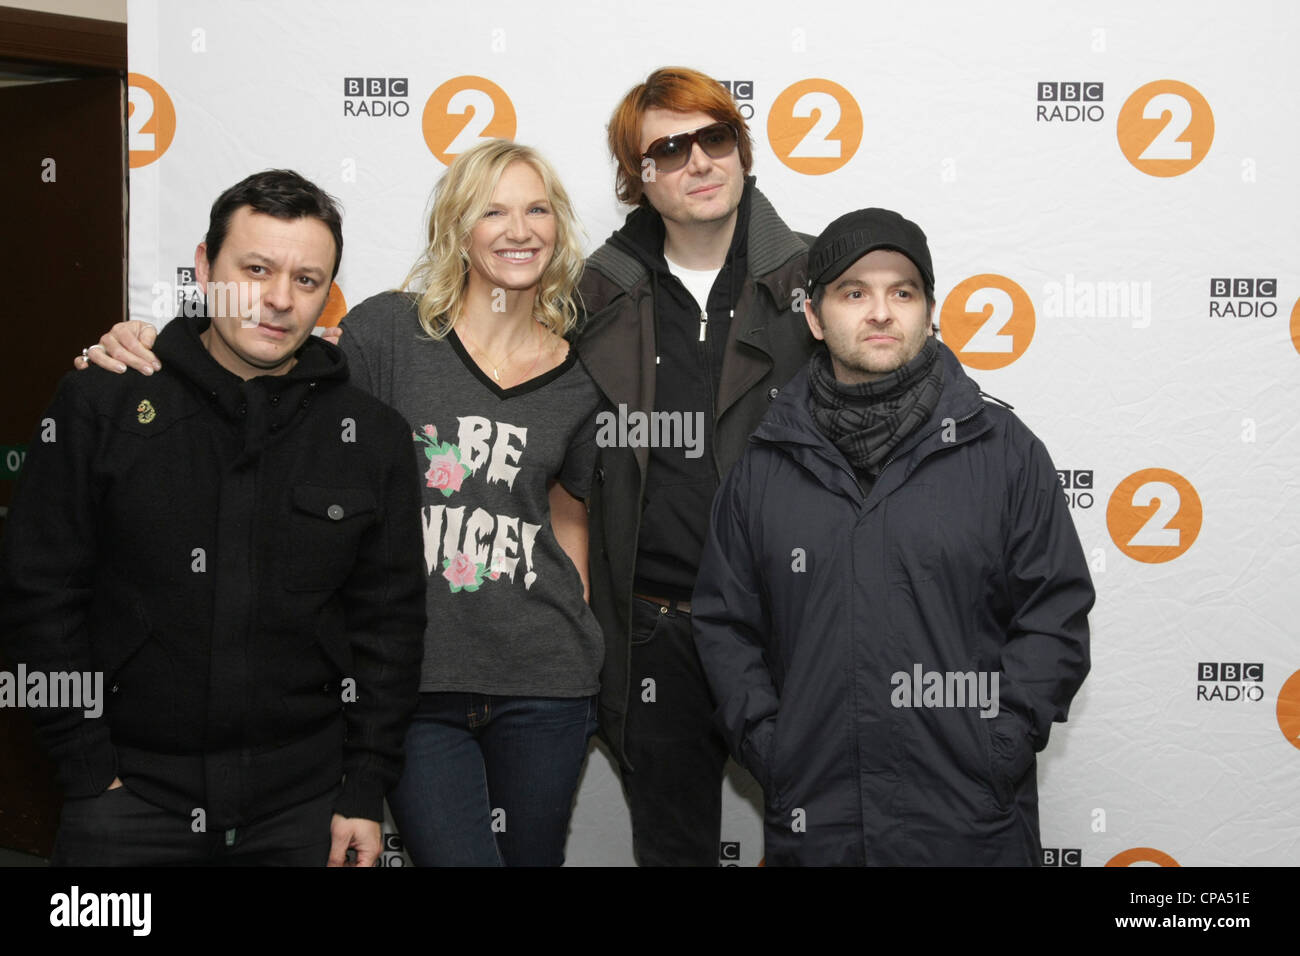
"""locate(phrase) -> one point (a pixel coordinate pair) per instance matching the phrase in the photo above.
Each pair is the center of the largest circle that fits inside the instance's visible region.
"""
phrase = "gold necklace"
(497, 366)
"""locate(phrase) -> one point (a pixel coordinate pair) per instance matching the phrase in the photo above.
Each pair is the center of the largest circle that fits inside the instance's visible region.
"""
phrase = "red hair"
(681, 90)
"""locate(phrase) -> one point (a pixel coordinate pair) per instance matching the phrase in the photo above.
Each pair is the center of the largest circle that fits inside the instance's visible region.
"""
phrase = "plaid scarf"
(868, 421)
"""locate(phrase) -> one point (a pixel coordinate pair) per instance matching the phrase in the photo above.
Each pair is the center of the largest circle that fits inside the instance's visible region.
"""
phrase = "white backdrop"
(1096, 181)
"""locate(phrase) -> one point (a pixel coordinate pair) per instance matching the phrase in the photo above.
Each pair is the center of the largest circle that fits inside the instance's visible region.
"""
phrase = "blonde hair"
(440, 276)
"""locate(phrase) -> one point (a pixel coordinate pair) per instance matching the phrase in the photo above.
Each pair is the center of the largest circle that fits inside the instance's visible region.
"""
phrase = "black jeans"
(674, 790)
(118, 828)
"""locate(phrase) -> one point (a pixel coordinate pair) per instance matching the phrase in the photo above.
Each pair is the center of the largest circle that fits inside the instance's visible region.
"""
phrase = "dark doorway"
(63, 272)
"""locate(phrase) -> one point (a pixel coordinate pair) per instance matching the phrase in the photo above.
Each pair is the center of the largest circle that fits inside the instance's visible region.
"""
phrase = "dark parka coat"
(768, 343)
(812, 596)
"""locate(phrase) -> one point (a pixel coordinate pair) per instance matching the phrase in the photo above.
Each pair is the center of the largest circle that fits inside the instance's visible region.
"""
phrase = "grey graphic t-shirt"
(506, 614)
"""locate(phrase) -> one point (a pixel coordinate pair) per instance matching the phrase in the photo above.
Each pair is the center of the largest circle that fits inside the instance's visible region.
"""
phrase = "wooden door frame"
(33, 42)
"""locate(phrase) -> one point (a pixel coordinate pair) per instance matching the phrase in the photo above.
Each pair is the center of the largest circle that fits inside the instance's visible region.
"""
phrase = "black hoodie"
(241, 561)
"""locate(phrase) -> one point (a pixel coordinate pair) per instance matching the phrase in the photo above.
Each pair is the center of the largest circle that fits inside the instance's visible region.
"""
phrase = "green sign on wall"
(11, 460)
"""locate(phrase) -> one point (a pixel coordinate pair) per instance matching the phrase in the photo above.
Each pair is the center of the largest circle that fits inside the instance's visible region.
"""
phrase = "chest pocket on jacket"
(325, 529)
(913, 537)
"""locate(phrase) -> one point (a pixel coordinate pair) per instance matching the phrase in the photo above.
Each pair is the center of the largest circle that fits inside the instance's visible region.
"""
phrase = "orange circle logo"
(1142, 854)
(1288, 710)
(1295, 325)
(988, 321)
(150, 120)
(463, 112)
(1154, 515)
(1165, 128)
(814, 127)
(335, 308)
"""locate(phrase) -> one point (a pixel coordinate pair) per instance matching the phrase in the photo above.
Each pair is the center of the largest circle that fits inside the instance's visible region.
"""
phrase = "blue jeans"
(489, 780)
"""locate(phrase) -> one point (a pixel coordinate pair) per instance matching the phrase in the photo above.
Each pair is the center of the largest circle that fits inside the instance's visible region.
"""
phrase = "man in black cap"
(892, 605)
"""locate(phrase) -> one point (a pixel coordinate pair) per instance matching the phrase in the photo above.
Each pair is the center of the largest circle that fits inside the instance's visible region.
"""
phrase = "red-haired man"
(694, 317)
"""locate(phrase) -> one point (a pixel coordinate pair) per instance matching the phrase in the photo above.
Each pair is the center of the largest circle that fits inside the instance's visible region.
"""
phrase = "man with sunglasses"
(689, 312)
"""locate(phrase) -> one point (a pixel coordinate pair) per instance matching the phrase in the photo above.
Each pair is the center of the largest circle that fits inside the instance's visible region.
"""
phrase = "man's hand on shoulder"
(127, 343)
(358, 833)
(332, 334)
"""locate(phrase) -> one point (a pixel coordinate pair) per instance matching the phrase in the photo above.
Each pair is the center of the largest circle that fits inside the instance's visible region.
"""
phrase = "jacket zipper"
(713, 405)
(893, 457)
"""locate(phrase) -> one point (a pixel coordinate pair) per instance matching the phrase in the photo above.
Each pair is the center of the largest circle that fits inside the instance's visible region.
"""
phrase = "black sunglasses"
(670, 153)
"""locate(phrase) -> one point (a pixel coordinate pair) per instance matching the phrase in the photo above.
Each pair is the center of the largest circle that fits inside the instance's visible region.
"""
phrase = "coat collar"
(770, 244)
(789, 426)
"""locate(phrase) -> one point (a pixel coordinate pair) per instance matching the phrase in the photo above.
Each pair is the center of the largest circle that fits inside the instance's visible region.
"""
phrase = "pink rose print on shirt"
(462, 572)
(446, 472)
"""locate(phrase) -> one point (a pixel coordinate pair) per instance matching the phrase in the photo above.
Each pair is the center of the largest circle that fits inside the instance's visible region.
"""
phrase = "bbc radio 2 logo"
(1062, 856)
(1243, 298)
(1288, 710)
(150, 120)
(1165, 128)
(1077, 487)
(375, 96)
(1229, 681)
(1154, 515)
(742, 91)
(189, 296)
(1295, 326)
(814, 126)
(987, 321)
(1070, 102)
(464, 111)
(392, 854)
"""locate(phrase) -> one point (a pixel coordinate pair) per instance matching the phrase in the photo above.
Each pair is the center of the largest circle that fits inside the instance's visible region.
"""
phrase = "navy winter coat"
(813, 599)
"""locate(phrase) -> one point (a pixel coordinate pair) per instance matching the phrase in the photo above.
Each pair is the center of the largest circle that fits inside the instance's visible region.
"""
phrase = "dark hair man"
(690, 315)
(233, 545)
(892, 605)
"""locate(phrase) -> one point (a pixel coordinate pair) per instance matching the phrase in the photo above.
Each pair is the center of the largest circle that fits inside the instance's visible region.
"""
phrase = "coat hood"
(182, 352)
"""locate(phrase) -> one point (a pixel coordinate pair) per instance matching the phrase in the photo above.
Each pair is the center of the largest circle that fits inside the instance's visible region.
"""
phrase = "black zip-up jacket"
(766, 344)
(813, 597)
(690, 338)
(242, 562)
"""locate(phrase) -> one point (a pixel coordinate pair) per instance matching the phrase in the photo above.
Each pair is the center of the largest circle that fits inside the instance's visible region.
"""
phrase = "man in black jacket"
(892, 605)
(692, 311)
(233, 544)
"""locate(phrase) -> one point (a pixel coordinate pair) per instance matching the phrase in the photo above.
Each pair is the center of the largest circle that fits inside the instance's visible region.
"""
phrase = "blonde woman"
(471, 351)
